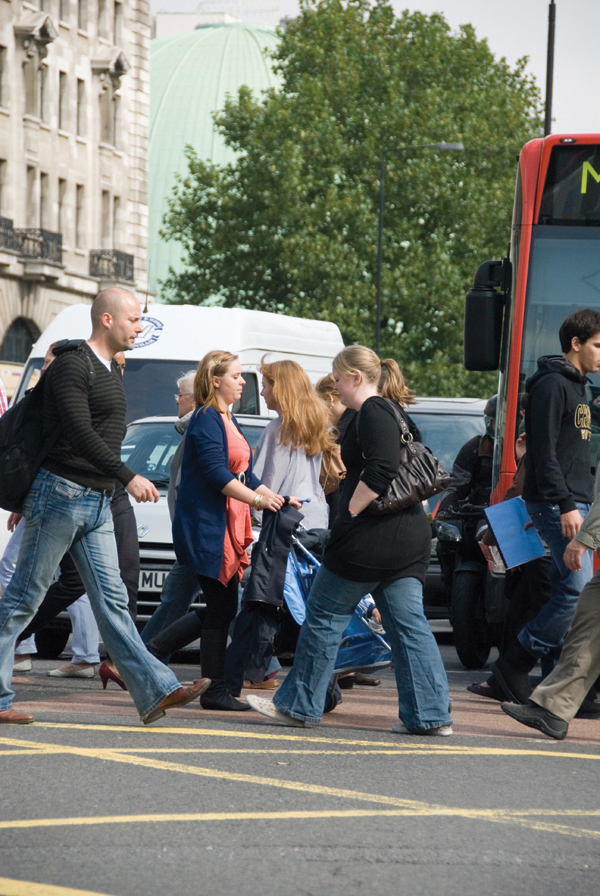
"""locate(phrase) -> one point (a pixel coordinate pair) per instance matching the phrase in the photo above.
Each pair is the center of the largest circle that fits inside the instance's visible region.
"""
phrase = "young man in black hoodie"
(558, 489)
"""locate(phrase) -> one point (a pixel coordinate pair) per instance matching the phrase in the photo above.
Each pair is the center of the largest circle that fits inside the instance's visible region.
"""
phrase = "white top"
(288, 471)
(106, 363)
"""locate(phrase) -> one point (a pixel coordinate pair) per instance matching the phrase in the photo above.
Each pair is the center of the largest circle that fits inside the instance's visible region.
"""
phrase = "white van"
(176, 337)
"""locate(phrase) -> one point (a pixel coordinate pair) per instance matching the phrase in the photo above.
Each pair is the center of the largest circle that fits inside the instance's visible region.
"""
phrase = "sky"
(513, 28)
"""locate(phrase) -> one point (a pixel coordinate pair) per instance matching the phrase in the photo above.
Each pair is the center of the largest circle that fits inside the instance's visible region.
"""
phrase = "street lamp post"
(549, 68)
(457, 147)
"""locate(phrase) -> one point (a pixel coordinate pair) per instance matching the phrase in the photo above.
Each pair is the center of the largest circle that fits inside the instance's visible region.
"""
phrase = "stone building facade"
(74, 117)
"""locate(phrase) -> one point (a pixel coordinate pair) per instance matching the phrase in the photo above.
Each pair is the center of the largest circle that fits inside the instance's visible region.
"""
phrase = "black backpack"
(22, 444)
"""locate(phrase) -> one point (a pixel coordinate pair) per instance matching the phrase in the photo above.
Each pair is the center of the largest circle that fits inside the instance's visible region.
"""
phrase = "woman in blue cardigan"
(212, 527)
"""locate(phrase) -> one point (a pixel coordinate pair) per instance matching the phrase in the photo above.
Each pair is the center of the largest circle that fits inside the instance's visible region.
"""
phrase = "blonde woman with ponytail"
(386, 556)
(393, 385)
(212, 528)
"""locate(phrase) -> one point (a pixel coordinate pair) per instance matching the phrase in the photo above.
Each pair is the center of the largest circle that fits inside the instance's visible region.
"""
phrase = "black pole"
(379, 253)
(550, 68)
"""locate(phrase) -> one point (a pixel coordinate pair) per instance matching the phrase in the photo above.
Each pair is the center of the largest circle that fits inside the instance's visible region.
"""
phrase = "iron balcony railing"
(109, 264)
(34, 242)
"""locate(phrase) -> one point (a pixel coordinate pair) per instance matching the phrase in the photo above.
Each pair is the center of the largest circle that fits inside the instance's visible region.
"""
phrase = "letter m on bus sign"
(587, 169)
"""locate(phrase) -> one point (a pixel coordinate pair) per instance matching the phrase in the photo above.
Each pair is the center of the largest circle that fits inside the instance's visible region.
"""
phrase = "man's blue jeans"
(180, 590)
(62, 516)
(420, 675)
(545, 634)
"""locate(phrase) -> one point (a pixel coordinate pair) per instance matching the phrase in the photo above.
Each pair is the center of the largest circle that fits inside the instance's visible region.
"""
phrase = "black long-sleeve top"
(369, 548)
(92, 420)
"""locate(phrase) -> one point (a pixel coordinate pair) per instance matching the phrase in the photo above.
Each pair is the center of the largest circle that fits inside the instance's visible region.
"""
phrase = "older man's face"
(185, 399)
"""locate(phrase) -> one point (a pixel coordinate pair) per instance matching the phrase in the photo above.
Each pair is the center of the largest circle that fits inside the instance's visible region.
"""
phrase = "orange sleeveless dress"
(238, 532)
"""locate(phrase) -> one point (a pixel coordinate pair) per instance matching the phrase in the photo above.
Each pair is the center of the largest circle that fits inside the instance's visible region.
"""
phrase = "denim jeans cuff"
(298, 715)
(429, 725)
(159, 700)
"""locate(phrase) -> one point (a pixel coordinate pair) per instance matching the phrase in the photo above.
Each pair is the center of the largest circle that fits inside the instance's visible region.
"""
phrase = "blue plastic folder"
(516, 543)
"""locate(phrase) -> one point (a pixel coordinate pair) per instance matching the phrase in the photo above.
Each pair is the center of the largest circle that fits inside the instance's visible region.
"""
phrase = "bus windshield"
(564, 275)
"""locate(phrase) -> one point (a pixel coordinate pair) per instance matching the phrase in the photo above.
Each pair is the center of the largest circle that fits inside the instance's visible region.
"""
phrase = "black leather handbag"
(420, 474)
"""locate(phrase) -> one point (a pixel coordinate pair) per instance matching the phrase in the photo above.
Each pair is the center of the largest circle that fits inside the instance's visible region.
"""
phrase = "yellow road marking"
(427, 747)
(10, 887)
(503, 816)
(416, 807)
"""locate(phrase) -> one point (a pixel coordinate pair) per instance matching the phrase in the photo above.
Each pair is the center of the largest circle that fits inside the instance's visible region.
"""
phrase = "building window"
(62, 211)
(116, 223)
(109, 113)
(79, 216)
(3, 78)
(63, 10)
(3, 191)
(82, 15)
(115, 119)
(106, 220)
(63, 100)
(31, 211)
(81, 108)
(43, 82)
(19, 340)
(103, 19)
(44, 201)
(32, 87)
(117, 23)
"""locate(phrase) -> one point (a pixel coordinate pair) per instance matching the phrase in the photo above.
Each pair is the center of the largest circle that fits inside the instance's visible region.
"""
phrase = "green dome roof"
(190, 77)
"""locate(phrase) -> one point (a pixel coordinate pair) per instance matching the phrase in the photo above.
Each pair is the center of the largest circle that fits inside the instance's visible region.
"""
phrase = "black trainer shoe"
(535, 716)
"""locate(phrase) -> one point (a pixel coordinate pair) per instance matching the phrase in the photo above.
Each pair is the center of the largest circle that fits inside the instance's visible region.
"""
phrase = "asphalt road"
(204, 804)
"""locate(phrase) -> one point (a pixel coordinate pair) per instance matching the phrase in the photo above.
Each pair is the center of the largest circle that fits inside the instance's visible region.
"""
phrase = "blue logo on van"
(150, 333)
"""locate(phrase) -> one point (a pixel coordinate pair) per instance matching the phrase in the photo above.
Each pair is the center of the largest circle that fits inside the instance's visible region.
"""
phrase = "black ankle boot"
(176, 636)
(511, 671)
(212, 661)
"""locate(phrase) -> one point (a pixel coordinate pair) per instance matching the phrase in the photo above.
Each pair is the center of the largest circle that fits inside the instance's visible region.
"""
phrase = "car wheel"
(471, 636)
(51, 642)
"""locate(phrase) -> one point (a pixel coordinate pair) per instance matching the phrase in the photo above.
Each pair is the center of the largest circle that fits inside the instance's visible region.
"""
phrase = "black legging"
(221, 601)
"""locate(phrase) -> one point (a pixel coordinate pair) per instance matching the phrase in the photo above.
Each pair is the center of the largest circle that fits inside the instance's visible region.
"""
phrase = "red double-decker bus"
(516, 306)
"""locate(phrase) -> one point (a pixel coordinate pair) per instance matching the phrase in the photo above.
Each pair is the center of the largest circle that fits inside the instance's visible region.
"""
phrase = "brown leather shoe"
(12, 717)
(270, 684)
(180, 697)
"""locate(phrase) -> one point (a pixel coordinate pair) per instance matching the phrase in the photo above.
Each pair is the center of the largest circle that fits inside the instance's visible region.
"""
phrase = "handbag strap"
(406, 436)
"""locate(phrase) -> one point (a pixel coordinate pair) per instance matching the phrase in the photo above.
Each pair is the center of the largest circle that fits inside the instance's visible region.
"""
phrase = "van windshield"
(150, 386)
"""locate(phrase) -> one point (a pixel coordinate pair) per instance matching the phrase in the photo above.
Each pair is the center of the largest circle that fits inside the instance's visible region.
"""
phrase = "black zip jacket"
(558, 432)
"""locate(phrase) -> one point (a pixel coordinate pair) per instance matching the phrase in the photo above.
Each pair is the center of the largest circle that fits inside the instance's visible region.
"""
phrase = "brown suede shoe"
(270, 684)
(180, 697)
(12, 717)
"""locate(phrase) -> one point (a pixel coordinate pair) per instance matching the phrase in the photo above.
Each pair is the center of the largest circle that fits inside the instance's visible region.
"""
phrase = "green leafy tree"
(291, 225)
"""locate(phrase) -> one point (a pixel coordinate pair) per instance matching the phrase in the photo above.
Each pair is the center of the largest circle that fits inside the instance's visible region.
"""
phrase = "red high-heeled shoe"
(105, 672)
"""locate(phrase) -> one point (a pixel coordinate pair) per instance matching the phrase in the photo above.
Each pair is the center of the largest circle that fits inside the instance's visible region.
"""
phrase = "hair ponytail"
(393, 385)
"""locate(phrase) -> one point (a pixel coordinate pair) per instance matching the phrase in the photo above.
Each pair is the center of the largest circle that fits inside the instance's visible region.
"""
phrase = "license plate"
(152, 580)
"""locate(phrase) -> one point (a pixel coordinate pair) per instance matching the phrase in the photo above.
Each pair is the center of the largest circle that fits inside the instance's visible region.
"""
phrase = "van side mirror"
(484, 308)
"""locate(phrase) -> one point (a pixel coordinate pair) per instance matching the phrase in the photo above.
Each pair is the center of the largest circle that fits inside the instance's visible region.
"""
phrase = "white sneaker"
(267, 708)
(23, 666)
(71, 671)
(442, 731)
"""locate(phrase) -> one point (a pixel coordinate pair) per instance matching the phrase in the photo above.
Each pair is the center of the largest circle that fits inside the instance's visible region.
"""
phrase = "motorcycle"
(476, 592)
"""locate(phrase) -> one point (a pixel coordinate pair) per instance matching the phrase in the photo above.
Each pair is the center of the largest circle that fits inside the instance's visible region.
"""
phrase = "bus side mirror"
(484, 307)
